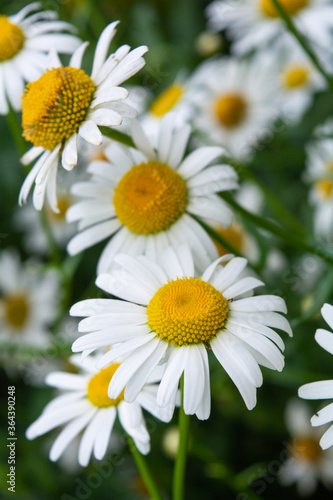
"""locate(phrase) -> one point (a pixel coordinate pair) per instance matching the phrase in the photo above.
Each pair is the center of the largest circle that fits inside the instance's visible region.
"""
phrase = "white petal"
(69, 155)
(104, 338)
(107, 419)
(76, 58)
(105, 117)
(109, 95)
(102, 48)
(317, 390)
(178, 146)
(88, 440)
(90, 133)
(240, 287)
(323, 416)
(325, 340)
(121, 285)
(66, 381)
(91, 236)
(327, 313)
(198, 160)
(194, 380)
(141, 140)
(260, 304)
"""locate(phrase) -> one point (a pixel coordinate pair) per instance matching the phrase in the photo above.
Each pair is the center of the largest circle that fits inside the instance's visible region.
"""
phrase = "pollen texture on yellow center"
(295, 76)
(15, 310)
(290, 6)
(167, 100)
(187, 311)
(307, 449)
(150, 198)
(97, 391)
(11, 39)
(230, 110)
(55, 105)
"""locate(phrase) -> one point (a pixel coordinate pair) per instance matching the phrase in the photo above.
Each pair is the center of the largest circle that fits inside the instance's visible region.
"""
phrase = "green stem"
(272, 200)
(144, 470)
(270, 226)
(302, 41)
(117, 136)
(16, 131)
(180, 465)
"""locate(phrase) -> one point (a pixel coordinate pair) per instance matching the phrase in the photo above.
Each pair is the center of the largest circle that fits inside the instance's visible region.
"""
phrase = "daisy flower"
(323, 389)
(147, 197)
(319, 173)
(68, 95)
(254, 24)
(233, 104)
(84, 405)
(297, 78)
(28, 301)
(24, 41)
(308, 463)
(168, 315)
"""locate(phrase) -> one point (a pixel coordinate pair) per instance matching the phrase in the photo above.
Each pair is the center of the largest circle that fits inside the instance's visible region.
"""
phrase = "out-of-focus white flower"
(29, 301)
(234, 104)
(308, 463)
(256, 24)
(25, 39)
(320, 174)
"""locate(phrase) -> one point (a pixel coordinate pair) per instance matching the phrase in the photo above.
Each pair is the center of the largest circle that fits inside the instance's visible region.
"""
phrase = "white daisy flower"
(85, 406)
(256, 24)
(176, 99)
(319, 173)
(234, 104)
(169, 315)
(308, 463)
(296, 76)
(24, 41)
(148, 197)
(323, 389)
(29, 301)
(68, 95)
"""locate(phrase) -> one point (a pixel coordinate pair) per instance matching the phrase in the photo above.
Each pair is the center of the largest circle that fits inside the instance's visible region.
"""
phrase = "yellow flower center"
(324, 188)
(55, 105)
(16, 310)
(307, 449)
(167, 100)
(97, 390)
(187, 311)
(295, 76)
(11, 39)
(150, 198)
(290, 6)
(234, 235)
(230, 110)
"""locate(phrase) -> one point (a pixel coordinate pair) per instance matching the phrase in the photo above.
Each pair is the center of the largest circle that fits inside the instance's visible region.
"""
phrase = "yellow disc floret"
(324, 188)
(187, 311)
(55, 105)
(230, 110)
(97, 390)
(295, 76)
(150, 198)
(167, 100)
(307, 449)
(15, 310)
(290, 6)
(11, 39)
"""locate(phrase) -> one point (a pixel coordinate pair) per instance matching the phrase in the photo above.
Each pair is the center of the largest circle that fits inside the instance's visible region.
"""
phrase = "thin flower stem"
(302, 41)
(144, 470)
(117, 136)
(288, 237)
(180, 464)
(16, 131)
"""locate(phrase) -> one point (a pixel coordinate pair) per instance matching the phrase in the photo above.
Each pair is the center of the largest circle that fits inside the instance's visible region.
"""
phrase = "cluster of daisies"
(173, 297)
